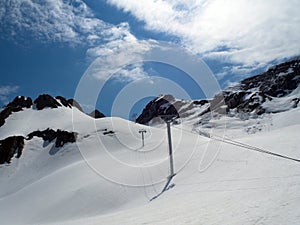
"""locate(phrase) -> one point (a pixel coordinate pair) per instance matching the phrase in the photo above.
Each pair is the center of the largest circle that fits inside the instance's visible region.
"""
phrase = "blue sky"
(46, 46)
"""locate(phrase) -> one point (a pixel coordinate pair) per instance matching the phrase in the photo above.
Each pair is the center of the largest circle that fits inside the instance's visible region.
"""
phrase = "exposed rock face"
(247, 97)
(74, 103)
(43, 101)
(296, 102)
(278, 81)
(46, 135)
(20, 101)
(46, 100)
(162, 105)
(16, 105)
(9, 147)
(14, 145)
(61, 136)
(200, 102)
(64, 101)
(96, 114)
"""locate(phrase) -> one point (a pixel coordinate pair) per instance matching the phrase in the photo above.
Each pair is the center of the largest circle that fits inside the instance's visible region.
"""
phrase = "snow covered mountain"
(275, 90)
(234, 165)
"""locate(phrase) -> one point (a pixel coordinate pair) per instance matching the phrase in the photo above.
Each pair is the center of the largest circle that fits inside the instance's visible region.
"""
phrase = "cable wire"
(240, 144)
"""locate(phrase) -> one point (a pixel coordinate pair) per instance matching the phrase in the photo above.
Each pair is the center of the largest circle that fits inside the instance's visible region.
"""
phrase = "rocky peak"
(277, 81)
(20, 102)
(74, 103)
(248, 97)
(13, 146)
(16, 105)
(41, 102)
(64, 101)
(162, 105)
(46, 100)
(96, 114)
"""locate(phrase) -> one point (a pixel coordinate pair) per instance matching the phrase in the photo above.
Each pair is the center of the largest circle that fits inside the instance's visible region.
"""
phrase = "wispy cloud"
(73, 22)
(49, 20)
(242, 32)
(246, 34)
(6, 91)
(120, 46)
(131, 73)
(119, 39)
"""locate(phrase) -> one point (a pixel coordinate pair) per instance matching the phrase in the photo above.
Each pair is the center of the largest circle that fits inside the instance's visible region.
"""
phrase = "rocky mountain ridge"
(252, 97)
(12, 146)
(41, 102)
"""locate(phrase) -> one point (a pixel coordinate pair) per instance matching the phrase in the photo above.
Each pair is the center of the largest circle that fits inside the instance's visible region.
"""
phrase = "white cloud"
(73, 22)
(248, 34)
(6, 91)
(120, 46)
(251, 33)
(49, 20)
(130, 73)
(118, 39)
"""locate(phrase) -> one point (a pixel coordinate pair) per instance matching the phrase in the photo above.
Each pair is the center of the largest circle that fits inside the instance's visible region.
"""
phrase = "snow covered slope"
(56, 184)
(223, 174)
(81, 183)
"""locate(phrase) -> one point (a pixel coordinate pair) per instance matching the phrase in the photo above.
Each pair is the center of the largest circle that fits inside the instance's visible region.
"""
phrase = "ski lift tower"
(169, 119)
(142, 131)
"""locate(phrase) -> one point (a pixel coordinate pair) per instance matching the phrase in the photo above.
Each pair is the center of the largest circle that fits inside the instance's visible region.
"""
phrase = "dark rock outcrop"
(14, 145)
(233, 100)
(46, 135)
(74, 103)
(20, 102)
(295, 102)
(277, 81)
(64, 101)
(160, 106)
(62, 137)
(110, 132)
(41, 102)
(96, 114)
(9, 147)
(16, 105)
(46, 100)
(247, 97)
(200, 102)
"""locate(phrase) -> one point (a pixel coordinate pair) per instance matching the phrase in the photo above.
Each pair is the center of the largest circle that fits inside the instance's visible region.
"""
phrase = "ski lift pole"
(142, 131)
(169, 119)
(170, 148)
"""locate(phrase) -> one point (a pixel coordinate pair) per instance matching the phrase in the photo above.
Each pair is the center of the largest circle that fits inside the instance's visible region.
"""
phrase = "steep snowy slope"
(240, 187)
(107, 178)
(110, 172)
(236, 163)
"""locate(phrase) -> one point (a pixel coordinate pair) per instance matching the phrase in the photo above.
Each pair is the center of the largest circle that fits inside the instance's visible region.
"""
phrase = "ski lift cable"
(253, 148)
(242, 145)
